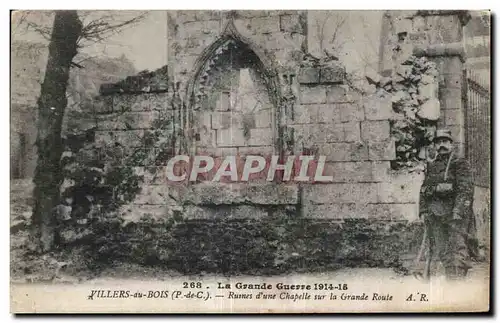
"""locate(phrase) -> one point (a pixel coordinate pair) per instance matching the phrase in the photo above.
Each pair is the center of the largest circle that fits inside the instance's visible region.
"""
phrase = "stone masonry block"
(306, 113)
(336, 94)
(231, 137)
(340, 94)
(375, 211)
(350, 112)
(211, 193)
(348, 172)
(312, 94)
(256, 151)
(330, 132)
(392, 211)
(208, 138)
(340, 193)
(198, 28)
(453, 117)
(397, 192)
(344, 151)
(309, 75)
(205, 119)
(263, 118)
(193, 212)
(290, 24)
(265, 25)
(377, 107)
(225, 120)
(381, 171)
(328, 113)
(375, 130)
(337, 211)
(384, 150)
(332, 74)
(260, 137)
(271, 194)
(352, 131)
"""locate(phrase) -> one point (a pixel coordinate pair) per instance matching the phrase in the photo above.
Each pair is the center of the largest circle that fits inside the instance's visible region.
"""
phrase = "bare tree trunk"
(63, 47)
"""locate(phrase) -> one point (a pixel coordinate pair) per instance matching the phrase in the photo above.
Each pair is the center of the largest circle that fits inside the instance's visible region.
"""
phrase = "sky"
(145, 43)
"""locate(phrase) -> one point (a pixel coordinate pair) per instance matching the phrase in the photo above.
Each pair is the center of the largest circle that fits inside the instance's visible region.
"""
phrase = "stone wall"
(323, 116)
(353, 131)
(308, 109)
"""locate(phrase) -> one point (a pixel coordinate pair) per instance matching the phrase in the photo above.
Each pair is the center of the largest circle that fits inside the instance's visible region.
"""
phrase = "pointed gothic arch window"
(233, 90)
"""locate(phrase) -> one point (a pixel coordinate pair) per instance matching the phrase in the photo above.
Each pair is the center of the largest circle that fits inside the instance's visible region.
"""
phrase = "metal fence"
(478, 128)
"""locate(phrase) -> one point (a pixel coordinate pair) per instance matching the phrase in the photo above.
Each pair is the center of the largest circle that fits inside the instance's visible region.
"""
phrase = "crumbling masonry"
(243, 83)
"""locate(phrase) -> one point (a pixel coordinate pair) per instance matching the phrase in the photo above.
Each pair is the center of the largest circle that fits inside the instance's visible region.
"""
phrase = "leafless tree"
(69, 32)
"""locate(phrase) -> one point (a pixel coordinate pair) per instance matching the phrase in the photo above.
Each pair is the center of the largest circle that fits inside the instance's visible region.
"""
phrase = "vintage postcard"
(250, 161)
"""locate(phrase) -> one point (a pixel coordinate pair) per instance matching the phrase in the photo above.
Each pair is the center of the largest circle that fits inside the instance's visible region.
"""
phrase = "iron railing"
(478, 127)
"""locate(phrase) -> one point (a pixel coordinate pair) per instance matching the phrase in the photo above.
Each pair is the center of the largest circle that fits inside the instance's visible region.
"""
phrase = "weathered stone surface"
(381, 171)
(130, 138)
(332, 74)
(263, 118)
(291, 24)
(103, 104)
(103, 138)
(331, 211)
(329, 133)
(378, 107)
(212, 193)
(340, 193)
(375, 130)
(395, 212)
(231, 137)
(344, 151)
(430, 110)
(312, 94)
(402, 25)
(350, 112)
(152, 175)
(306, 113)
(328, 113)
(348, 172)
(260, 137)
(309, 75)
(264, 25)
(225, 120)
(135, 212)
(340, 94)
(401, 189)
(384, 150)
(256, 151)
(199, 28)
(392, 211)
(453, 117)
(428, 91)
(152, 194)
(234, 212)
(352, 131)
(128, 121)
(208, 138)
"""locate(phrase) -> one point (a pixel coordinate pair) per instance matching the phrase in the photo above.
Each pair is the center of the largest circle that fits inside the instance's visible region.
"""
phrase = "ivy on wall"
(414, 90)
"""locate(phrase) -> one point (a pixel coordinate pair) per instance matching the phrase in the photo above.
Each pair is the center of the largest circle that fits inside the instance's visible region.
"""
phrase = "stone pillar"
(438, 35)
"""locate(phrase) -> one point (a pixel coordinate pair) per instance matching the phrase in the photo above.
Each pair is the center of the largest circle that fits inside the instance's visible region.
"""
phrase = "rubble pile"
(414, 94)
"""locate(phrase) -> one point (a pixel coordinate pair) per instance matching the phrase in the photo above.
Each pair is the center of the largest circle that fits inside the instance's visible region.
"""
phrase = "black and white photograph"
(250, 161)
